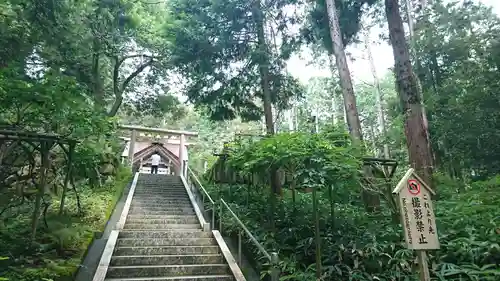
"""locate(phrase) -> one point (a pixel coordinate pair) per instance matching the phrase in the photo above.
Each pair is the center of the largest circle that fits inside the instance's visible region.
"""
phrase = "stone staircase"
(162, 238)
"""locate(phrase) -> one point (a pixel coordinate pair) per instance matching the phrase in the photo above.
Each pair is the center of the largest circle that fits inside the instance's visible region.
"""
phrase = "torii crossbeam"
(170, 144)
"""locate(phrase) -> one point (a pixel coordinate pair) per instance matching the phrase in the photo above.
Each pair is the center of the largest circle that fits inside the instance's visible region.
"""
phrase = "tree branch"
(135, 73)
(117, 89)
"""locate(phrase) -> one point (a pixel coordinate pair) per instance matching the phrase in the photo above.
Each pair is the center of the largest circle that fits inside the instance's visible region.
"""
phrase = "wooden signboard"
(417, 216)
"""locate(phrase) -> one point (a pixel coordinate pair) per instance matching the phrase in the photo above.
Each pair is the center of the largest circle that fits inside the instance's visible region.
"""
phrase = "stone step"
(145, 217)
(166, 205)
(175, 194)
(152, 192)
(167, 270)
(161, 212)
(157, 197)
(163, 208)
(178, 278)
(157, 176)
(160, 193)
(168, 233)
(157, 184)
(158, 181)
(166, 250)
(160, 201)
(160, 216)
(162, 197)
(129, 242)
(167, 259)
(163, 182)
(188, 220)
(160, 184)
(161, 226)
(161, 177)
(160, 190)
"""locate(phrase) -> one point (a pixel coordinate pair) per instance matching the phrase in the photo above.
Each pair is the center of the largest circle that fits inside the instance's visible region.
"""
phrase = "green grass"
(60, 248)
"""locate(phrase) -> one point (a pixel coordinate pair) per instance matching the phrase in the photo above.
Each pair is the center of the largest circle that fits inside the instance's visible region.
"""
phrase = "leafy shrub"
(59, 248)
(357, 245)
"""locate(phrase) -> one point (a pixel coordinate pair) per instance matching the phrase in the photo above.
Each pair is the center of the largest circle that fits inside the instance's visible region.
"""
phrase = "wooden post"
(316, 232)
(423, 266)
(67, 177)
(181, 154)
(131, 147)
(45, 147)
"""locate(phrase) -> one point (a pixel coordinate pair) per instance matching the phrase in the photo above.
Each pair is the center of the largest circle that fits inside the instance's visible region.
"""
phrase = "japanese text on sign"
(417, 213)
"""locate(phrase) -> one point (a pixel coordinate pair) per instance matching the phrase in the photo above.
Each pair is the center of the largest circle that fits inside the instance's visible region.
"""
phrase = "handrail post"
(220, 216)
(275, 270)
(213, 215)
(239, 248)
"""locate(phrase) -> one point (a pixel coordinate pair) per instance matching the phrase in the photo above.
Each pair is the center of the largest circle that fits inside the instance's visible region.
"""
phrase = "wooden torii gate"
(154, 139)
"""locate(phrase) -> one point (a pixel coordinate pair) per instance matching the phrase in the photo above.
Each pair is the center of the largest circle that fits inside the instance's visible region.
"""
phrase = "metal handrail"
(272, 257)
(257, 244)
(204, 193)
(200, 185)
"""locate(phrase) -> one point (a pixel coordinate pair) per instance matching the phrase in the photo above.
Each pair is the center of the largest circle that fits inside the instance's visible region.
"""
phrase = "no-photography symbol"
(413, 187)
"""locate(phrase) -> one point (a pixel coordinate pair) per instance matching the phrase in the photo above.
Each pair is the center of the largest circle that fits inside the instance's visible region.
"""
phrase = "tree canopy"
(273, 146)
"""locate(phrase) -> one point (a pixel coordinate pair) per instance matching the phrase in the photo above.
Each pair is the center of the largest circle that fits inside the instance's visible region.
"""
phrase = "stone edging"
(204, 225)
(102, 269)
(126, 207)
(235, 269)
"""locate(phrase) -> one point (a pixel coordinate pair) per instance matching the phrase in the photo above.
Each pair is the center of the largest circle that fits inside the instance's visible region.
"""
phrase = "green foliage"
(317, 30)
(60, 247)
(55, 78)
(214, 46)
(312, 159)
(363, 246)
(91, 42)
(457, 49)
(35, 104)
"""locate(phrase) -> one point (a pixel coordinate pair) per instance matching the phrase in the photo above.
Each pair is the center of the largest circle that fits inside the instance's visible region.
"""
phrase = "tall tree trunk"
(263, 66)
(316, 119)
(409, 16)
(296, 117)
(276, 118)
(344, 74)
(378, 96)
(415, 130)
(290, 118)
(411, 28)
(338, 105)
(371, 200)
(264, 80)
(335, 121)
(374, 148)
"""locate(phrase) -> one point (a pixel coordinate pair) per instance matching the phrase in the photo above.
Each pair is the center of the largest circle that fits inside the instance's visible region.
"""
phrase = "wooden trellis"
(43, 143)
